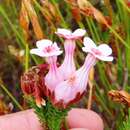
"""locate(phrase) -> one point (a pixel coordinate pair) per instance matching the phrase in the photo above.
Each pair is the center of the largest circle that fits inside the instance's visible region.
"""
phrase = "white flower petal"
(105, 49)
(56, 53)
(105, 58)
(79, 32)
(89, 44)
(42, 54)
(43, 43)
(63, 31)
(85, 49)
(56, 47)
(37, 52)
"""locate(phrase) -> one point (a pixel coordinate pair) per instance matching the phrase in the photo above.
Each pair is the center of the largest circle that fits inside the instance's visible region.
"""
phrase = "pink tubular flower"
(45, 48)
(49, 50)
(65, 85)
(68, 67)
(102, 52)
(74, 87)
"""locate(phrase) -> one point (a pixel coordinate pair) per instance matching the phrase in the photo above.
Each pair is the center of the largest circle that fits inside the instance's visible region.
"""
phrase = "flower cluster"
(64, 84)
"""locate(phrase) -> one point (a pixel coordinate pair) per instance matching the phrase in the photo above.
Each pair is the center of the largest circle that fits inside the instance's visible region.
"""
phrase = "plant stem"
(27, 58)
(95, 30)
(11, 96)
(65, 124)
(118, 36)
(58, 11)
(90, 95)
(125, 6)
(91, 30)
(104, 105)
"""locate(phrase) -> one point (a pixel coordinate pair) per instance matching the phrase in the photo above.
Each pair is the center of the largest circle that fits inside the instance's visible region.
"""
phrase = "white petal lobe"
(43, 43)
(105, 49)
(89, 43)
(63, 31)
(79, 32)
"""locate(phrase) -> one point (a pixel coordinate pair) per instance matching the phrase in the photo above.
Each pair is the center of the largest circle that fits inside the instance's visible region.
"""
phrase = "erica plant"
(53, 89)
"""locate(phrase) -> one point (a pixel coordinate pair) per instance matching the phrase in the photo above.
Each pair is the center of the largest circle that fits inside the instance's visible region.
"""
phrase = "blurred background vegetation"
(23, 22)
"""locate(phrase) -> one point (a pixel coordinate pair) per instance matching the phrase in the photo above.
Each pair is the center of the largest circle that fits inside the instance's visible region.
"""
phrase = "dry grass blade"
(24, 20)
(120, 96)
(47, 15)
(34, 19)
(90, 82)
(109, 7)
(50, 13)
(89, 10)
(74, 10)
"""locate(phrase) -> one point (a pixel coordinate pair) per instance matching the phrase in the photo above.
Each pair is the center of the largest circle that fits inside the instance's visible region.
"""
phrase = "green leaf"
(50, 116)
(126, 124)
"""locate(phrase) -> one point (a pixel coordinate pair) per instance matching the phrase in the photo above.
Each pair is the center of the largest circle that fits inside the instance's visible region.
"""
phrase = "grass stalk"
(26, 58)
(11, 96)
(118, 36)
(64, 24)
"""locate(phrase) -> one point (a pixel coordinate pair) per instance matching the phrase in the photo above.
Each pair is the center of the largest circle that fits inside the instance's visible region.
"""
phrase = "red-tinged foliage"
(32, 82)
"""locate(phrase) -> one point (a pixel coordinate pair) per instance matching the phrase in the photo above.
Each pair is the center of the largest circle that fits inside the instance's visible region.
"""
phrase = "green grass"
(118, 33)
